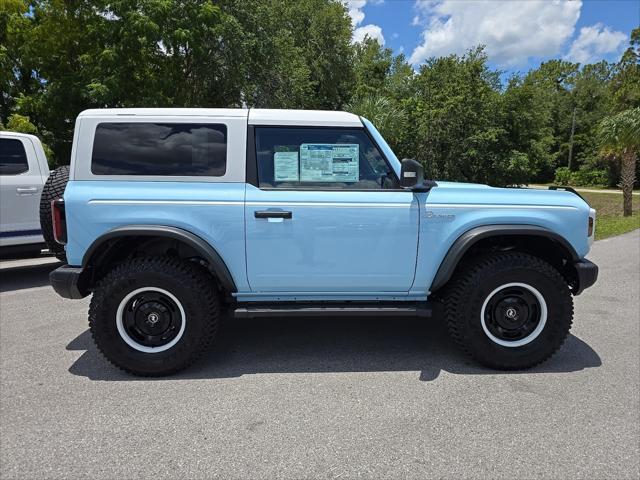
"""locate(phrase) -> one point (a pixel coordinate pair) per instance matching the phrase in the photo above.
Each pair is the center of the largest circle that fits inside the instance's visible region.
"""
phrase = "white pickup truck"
(23, 173)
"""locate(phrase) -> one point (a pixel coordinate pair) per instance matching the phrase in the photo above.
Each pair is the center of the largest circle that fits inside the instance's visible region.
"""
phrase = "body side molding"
(209, 253)
(470, 237)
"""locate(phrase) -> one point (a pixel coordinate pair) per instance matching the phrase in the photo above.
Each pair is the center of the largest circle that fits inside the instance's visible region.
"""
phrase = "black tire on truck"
(509, 311)
(52, 190)
(154, 316)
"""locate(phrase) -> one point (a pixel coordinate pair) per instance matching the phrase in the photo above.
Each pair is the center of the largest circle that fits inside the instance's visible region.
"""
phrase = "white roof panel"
(259, 116)
(167, 112)
(256, 116)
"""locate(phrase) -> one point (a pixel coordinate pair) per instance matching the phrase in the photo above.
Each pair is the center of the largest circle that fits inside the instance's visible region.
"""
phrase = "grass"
(609, 219)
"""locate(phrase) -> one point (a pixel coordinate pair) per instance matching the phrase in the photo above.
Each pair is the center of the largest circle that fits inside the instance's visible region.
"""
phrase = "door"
(20, 188)
(327, 215)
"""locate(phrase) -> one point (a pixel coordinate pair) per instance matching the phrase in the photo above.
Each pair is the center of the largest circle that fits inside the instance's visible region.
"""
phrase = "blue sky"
(519, 34)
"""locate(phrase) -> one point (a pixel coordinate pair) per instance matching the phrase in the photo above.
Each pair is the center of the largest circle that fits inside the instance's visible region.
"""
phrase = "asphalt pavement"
(322, 398)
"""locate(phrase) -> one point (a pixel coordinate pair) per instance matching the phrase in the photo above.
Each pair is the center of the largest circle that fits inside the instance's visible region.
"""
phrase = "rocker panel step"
(351, 310)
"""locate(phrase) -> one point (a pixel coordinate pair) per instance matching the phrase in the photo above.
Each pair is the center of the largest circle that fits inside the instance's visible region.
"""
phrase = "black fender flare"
(216, 263)
(465, 241)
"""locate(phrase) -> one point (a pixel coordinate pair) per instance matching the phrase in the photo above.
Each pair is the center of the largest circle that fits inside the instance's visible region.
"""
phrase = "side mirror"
(411, 173)
(412, 176)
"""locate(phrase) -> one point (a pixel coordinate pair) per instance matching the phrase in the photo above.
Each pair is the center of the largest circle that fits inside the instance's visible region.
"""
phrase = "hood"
(461, 193)
(444, 184)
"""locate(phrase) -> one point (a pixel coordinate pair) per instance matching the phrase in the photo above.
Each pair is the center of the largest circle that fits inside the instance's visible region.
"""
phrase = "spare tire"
(53, 189)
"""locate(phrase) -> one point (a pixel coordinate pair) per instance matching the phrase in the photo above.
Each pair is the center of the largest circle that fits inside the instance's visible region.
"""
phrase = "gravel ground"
(331, 398)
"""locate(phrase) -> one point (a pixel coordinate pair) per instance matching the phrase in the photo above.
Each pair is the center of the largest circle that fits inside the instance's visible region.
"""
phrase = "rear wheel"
(509, 310)
(155, 315)
(52, 190)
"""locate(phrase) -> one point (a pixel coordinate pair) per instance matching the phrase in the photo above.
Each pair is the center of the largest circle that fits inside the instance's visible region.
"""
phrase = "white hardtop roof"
(6, 133)
(166, 112)
(255, 116)
(258, 116)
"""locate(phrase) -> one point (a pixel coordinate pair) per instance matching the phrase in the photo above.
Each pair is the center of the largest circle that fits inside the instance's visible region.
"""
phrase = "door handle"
(272, 214)
(24, 190)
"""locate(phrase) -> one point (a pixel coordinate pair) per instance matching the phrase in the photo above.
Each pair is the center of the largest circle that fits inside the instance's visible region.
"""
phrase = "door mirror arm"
(425, 186)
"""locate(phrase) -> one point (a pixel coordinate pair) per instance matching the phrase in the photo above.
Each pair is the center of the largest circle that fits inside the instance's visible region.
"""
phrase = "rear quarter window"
(13, 158)
(160, 149)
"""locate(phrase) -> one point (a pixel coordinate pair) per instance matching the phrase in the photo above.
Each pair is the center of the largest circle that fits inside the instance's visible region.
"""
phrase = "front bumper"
(587, 274)
(69, 282)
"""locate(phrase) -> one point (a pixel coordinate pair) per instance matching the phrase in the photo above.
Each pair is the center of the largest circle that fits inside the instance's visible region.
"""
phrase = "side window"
(320, 158)
(13, 159)
(160, 149)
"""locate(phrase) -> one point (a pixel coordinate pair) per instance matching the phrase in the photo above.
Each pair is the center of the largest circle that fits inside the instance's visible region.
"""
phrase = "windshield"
(384, 146)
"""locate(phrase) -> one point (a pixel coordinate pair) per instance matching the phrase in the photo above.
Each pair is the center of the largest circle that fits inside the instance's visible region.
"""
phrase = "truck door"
(326, 214)
(20, 189)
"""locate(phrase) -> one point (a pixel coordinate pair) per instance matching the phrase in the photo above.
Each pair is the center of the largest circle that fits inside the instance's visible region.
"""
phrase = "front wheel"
(154, 316)
(509, 310)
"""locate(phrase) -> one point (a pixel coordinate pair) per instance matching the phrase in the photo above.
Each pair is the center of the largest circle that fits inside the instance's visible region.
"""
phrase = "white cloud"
(511, 31)
(594, 43)
(354, 8)
(371, 31)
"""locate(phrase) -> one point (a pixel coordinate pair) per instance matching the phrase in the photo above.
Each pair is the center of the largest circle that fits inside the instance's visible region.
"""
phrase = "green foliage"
(59, 57)
(389, 119)
(625, 85)
(462, 130)
(621, 132)
(563, 176)
(584, 177)
(65, 57)
(20, 123)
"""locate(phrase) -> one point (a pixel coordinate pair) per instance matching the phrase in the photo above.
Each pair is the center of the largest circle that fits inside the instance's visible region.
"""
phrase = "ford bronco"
(173, 218)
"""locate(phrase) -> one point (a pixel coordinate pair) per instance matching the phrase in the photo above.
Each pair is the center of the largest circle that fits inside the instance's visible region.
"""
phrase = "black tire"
(189, 283)
(482, 286)
(52, 190)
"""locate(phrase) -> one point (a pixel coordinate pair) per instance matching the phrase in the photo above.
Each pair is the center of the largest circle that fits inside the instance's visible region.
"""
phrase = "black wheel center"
(512, 313)
(152, 318)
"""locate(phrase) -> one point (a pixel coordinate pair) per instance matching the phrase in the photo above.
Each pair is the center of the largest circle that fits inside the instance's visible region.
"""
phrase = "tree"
(459, 122)
(22, 124)
(59, 57)
(388, 118)
(620, 135)
(382, 84)
(527, 123)
(625, 83)
(372, 66)
(553, 83)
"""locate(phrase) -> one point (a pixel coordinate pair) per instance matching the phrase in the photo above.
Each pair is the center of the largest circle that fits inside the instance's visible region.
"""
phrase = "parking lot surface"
(322, 398)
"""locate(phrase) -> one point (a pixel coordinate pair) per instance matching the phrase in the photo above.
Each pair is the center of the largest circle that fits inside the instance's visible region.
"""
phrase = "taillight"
(59, 221)
(590, 229)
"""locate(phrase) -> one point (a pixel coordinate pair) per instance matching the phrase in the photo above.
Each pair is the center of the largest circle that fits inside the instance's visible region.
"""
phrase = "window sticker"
(285, 166)
(329, 162)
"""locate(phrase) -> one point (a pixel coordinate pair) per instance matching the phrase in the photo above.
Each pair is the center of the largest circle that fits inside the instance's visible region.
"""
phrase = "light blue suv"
(175, 217)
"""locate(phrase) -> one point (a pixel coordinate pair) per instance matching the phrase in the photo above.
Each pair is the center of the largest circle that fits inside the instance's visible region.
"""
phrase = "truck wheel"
(52, 190)
(154, 316)
(509, 311)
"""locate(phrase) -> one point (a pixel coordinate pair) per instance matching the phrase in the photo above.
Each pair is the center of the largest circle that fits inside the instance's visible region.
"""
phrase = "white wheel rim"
(529, 338)
(130, 341)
